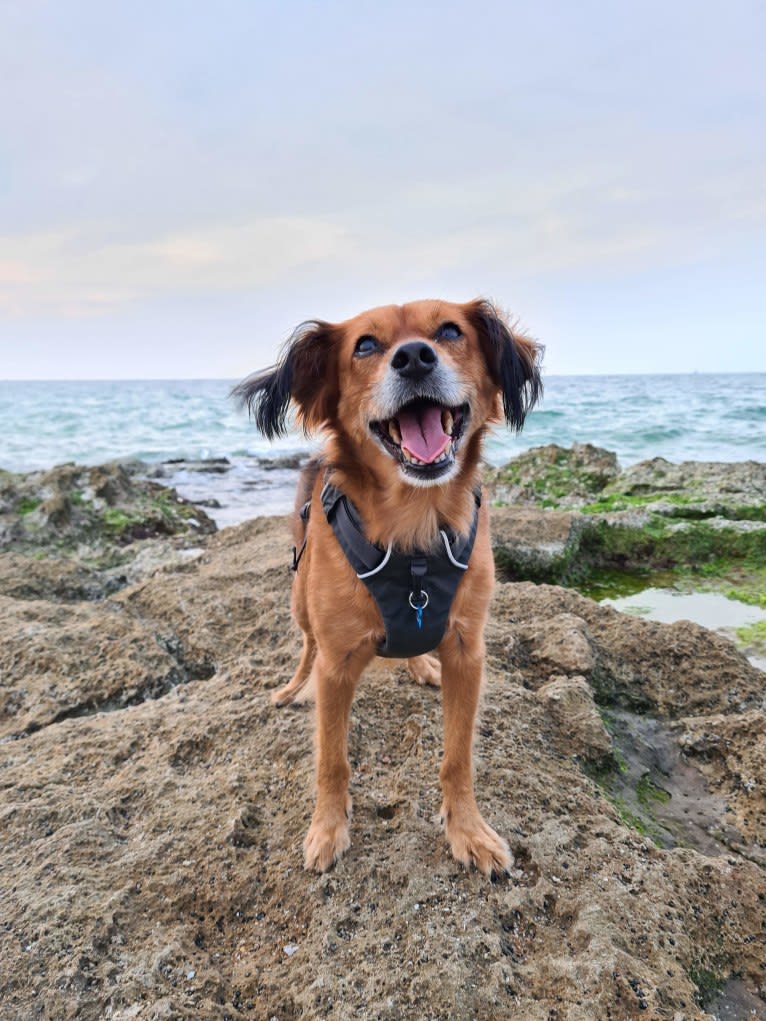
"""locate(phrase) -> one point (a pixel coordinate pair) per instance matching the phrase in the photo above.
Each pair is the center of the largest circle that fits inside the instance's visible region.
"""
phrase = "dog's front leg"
(470, 838)
(335, 682)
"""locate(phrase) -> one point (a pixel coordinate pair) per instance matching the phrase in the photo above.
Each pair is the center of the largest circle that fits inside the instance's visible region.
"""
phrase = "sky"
(181, 183)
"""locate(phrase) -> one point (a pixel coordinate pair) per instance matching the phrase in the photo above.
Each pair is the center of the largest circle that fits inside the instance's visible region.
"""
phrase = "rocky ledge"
(154, 802)
(695, 525)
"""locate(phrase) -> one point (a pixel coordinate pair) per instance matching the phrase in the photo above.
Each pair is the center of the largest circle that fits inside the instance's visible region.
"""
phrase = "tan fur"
(339, 619)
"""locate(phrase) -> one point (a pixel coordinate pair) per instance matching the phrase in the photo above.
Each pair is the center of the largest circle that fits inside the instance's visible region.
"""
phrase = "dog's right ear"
(304, 373)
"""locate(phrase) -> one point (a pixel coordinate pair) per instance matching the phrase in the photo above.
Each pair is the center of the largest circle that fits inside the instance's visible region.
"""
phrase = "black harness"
(413, 591)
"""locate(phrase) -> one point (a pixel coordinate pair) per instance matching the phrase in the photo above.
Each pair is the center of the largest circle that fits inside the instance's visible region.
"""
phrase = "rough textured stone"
(553, 475)
(576, 519)
(671, 670)
(731, 752)
(530, 543)
(728, 484)
(581, 731)
(559, 643)
(91, 513)
(151, 852)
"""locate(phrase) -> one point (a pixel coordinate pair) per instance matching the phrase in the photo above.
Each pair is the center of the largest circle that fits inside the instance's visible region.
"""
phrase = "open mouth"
(423, 436)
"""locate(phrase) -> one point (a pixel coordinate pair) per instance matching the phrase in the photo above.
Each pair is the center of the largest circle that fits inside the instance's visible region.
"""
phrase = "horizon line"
(235, 379)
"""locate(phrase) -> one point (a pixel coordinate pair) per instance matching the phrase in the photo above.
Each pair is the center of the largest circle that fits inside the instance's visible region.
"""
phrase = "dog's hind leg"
(426, 669)
(291, 692)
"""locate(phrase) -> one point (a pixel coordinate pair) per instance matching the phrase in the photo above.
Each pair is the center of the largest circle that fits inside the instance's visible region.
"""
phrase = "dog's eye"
(366, 345)
(448, 331)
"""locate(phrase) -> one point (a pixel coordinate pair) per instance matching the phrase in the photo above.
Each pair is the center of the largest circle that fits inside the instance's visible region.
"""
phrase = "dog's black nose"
(414, 360)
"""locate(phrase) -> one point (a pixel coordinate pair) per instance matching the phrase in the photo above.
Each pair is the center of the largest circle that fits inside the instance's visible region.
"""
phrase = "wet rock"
(291, 461)
(704, 522)
(731, 752)
(726, 486)
(110, 483)
(587, 476)
(671, 670)
(208, 465)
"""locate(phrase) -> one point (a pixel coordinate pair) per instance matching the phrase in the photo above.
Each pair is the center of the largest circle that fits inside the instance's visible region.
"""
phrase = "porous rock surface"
(569, 515)
(153, 804)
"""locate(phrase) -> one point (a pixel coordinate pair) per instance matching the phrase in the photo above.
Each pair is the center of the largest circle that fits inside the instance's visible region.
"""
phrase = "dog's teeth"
(447, 421)
(393, 431)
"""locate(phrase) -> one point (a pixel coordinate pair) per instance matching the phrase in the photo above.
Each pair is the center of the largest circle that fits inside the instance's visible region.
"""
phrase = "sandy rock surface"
(153, 805)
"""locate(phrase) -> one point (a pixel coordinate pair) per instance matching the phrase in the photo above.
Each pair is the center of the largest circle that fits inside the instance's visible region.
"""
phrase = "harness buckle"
(418, 571)
(419, 607)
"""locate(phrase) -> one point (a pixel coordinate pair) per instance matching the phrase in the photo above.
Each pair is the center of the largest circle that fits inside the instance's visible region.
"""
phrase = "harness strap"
(298, 553)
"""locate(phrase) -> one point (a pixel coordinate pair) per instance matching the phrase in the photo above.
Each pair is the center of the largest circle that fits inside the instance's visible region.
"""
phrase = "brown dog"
(405, 395)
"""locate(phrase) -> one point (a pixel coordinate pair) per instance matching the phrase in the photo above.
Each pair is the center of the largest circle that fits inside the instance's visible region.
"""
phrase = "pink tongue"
(422, 433)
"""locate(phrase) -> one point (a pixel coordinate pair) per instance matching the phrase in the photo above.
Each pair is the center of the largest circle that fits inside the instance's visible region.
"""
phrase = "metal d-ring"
(423, 605)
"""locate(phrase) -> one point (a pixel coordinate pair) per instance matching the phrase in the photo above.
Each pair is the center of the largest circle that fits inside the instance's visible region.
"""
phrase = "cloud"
(593, 218)
(80, 274)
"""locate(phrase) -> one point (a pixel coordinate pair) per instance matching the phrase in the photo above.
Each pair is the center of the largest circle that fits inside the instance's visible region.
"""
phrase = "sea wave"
(694, 417)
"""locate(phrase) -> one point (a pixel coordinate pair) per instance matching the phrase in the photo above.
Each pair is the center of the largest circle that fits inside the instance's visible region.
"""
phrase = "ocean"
(186, 422)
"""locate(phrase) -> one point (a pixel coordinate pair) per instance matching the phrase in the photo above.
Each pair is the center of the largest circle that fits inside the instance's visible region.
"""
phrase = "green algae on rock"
(553, 476)
(92, 514)
(701, 523)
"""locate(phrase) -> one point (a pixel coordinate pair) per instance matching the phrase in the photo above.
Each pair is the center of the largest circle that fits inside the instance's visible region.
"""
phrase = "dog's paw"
(426, 669)
(473, 842)
(294, 693)
(326, 841)
(282, 697)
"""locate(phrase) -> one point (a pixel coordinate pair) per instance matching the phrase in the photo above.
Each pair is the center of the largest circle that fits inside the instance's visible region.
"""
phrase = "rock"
(92, 514)
(153, 804)
(590, 477)
(208, 465)
(577, 519)
(561, 642)
(68, 661)
(110, 483)
(52, 578)
(731, 752)
(729, 485)
(160, 555)
(532, 544)
(580, 730)
(554, 476)
(671, 670)
(290, 461)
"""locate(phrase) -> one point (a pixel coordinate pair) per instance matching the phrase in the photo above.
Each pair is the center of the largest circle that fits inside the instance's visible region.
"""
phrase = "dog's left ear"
(513, 361)
(305, 374)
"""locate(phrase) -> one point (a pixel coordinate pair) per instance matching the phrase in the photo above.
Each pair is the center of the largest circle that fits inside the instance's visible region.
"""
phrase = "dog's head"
(408, 385)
